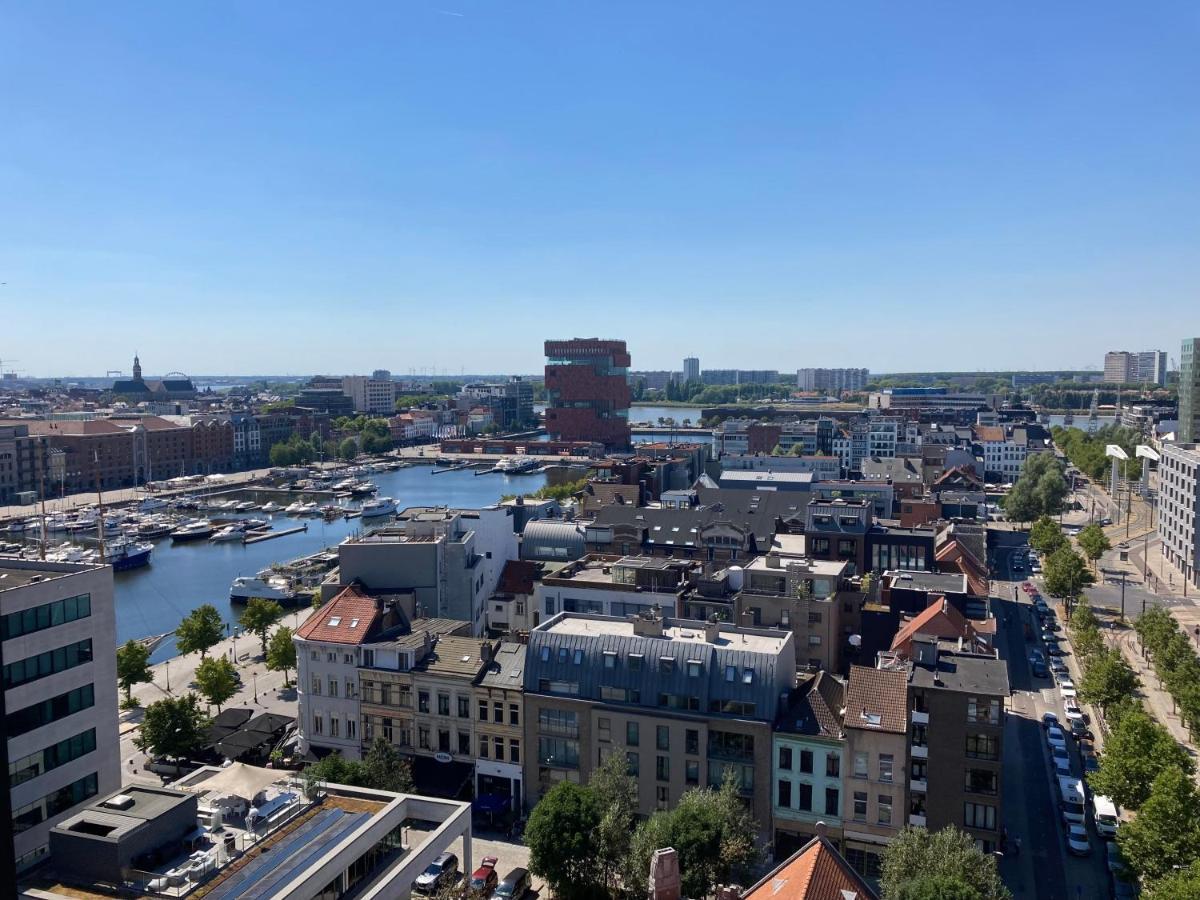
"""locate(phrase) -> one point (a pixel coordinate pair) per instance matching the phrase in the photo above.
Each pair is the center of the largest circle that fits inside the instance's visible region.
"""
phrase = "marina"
(151, 600)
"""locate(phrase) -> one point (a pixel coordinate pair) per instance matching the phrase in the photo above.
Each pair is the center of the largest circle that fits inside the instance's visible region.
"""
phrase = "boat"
(516, 465)
(71, 553)
(6, 547)
(196, 530)
(260, 587)
(272, 507)
(255, 524)
(295, 509)
(151, 504)
(154, 528)
(246, 506)
(380, 506)
(230, 533)
(125, 555)
(332, 511)
(363, 487)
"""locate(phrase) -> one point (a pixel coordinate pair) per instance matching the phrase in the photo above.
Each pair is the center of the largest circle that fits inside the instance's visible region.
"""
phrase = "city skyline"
(924, 170)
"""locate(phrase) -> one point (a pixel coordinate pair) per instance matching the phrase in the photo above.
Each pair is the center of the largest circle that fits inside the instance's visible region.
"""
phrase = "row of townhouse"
(686, 703)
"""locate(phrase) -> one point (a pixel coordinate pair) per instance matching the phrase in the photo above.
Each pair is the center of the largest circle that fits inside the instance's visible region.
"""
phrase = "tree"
(133, 659)
(1093, 542)
(216, 679)
(1179, 884)
(1137, 751)
(1166, 831)
(384, 769)
(1050, 490)
(1107, 678)
(937, 887)
(281, 652)
(560, 836)
(711, 830)
(174, 727)
(1020, 503)
(1066, 574)
(917, 853)
(259, 616)
(200, 629)
(348, 449)
(1046, 535)
(616, 794)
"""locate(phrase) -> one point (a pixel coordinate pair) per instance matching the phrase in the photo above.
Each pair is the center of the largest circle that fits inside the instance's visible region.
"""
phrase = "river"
(181, 577)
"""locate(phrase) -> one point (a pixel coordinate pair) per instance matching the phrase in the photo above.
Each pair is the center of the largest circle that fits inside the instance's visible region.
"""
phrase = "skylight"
(354, 623)
(335, 621)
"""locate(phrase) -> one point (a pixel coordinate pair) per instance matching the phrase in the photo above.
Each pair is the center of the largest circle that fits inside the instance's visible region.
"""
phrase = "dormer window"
(666, 664)
(731, 674)
(747, 676)
(577, 658)
(545, 654)
(694, 668)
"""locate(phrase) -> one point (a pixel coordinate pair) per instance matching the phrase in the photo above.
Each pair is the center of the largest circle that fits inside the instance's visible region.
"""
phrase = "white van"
(1071, 800)
(1107, 817)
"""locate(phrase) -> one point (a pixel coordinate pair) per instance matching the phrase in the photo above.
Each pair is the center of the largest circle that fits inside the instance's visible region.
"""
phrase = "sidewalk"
(261, 690)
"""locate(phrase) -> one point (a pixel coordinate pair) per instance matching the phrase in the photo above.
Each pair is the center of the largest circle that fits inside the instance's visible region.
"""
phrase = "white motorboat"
(151, 504)
(516, 465)
(196, 530)
(380, 506)
(363, 487)
(246, 506)
(272, 587)
(272, 507)
(230, 533)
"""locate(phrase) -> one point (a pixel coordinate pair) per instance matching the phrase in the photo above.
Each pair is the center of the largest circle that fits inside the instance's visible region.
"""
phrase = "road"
(1043, 869)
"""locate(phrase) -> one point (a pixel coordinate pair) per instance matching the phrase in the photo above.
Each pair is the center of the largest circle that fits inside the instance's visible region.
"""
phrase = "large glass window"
(60, 659)
(558, 722)
(48, 615)
(29, 767)
(50, 710)
(31, 814)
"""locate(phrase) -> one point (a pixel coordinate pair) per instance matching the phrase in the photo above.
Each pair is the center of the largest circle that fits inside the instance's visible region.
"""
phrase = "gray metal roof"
(552, 540)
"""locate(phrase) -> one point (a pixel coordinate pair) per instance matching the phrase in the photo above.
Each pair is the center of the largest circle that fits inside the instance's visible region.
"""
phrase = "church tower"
(137, 368)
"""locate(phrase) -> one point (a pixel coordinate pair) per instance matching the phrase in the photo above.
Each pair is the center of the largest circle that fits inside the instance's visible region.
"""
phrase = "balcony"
(920, 718)
(918, 785)
(914, 819)
(920, 751)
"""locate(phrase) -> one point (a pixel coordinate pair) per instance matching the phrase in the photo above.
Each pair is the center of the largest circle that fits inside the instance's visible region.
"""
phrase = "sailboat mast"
(99, 509)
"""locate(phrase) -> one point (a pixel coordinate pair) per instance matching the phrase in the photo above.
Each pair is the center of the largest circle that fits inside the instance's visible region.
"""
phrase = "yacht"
(246, 506)
(71, 553)
(124, 555)
(151, 504)
(269, 587)
(380, 506)
(301, 509)
(230, 533)
(255, 524)
(363, 487)
(516, 465)
(154, 528)
(272, 507)
(196, 530)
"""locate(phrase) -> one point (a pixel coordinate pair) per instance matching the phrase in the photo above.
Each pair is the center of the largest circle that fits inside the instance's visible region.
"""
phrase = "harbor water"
(152, 600)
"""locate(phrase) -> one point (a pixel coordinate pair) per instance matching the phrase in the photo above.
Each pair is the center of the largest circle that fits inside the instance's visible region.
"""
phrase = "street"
(1043, 868)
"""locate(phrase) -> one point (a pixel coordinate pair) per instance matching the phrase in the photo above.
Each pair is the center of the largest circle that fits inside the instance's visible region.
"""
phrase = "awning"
(492, 803)
(449, 780)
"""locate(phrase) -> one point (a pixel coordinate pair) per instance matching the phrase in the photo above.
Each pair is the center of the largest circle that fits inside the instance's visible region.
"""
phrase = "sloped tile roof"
(815, 872)
(877, 700)
(939, 619)
(349, 618)
(517, 577)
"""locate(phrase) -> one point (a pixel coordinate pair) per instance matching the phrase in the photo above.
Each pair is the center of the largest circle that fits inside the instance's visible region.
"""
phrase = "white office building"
(60, 694)
(374, 394)
(691, 369)
(1179, 508)
(832, 381)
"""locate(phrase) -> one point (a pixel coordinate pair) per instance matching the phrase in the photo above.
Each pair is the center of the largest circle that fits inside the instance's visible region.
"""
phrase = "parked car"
(1073, 712)
(1055, 737)
(483, 880)
(1077, 840)
(1062, 766)
(441, 872)
(514, 886)
(1067, 689)
(1106, 521)
(1049, 719)
(1080, 731)
(1055, 649)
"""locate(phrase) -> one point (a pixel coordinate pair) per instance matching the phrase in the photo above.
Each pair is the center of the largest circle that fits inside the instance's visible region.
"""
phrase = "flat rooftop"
(15, 573)
(965, 672)
(941, 582)
(682, 630)
(829, 568)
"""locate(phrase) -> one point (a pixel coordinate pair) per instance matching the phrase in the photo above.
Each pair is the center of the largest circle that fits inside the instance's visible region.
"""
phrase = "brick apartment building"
(588, 386)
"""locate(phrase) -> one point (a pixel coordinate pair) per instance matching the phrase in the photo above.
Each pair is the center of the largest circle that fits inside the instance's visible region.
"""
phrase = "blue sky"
(293, 187)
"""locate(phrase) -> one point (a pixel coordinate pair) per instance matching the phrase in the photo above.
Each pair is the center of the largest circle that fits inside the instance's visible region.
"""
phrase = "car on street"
(438, 874)
(1113, 858)
(1049, 719)
(1057, 665)
(1072, 711)
(514, 886)
(1067, 689)
(1051, 624)
(1055, 737)
(1080, 731)
(1077, 840)
(1039, 669)
(1061, 766)
(1035, 656)
(1054, 649)
(1065, 684)
(482, 881)
(1036, 569)
(1106, 521)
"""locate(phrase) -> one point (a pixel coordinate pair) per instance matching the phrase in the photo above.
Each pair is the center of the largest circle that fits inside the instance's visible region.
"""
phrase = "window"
(333, 687)
(979, 815)
(666, 664)
(351, 729)
(833, 802)
(814, 617)
(833, 766)
(747, 676)
(318, 724)
(50, 662)
(785, 758)
(464, 707)
(563, 653)
(335, 726)
(662, 739)
(54, 803)
(885, 767)
(805, 799)
(350, 688)
(631, 759)
(783, 794)
(983, 710)
(48, 615)
(610, 659)
(691, 772)
(316, 685)
(694, 668)
(444, 740)
(885, 809)
(662, 796)
(514, 714)
(814, 640)
(514, 750)
(691, 741)
(981, 781)
(604, 729)
(860, 764)
(731, 673)
(65, 751)
(498, 747)
(631, 734)
(498, 712)
(806, 762)
(423, 737)
(662, 768)
(635, 662)
(577, 657)
(464, 743)
(483, 746)
(443, 704)
(860, 806)
(983, 746)
(423, 701)
(483, 710)
(50, 710)
(348, 658)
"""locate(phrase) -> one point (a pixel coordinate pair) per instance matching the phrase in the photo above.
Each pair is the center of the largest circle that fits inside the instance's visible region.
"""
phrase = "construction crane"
(9, 371)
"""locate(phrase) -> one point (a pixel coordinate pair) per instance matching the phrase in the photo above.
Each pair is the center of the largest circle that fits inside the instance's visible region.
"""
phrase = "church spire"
(137, 368)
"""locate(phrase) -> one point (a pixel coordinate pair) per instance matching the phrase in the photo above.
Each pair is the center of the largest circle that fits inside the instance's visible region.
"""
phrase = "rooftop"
(827, 568)
(346, 619)
(966, 672)
(877, 700)
(452, 655)
(815, 872)
(682, 630)
(507, 668)
(933, 582)
(15, 573)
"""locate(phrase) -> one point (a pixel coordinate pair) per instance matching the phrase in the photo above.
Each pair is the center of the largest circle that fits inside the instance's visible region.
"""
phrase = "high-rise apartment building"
(588, 388)
(1118, 366)
(1179, 507)
(691, 369)
(1152, 366)
(374, 394)
(1124, 367)
(1189, 392)
(832, 381)
(57, 634)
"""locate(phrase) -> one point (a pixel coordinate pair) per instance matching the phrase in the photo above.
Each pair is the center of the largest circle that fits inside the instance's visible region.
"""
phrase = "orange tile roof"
(346, 619)
(939, 619)
(815, 872)
(877, 700)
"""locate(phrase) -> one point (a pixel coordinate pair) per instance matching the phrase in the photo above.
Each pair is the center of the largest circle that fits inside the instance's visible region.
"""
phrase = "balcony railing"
(920, 751)
(919, 785)
(920, 718)
(914, 819)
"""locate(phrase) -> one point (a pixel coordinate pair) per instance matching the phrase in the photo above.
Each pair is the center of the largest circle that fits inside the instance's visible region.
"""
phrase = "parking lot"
(509, 856)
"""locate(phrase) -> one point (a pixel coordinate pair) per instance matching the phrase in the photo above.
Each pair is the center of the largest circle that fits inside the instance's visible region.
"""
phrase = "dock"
(440, 469)
(268, 535)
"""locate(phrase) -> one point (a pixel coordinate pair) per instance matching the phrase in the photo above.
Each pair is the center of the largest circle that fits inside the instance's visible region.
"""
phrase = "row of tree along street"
(1143, 768)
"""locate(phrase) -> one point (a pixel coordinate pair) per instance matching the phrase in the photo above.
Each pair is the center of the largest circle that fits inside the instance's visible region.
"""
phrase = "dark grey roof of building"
(553, 540)
(898, 470)
(507, 669)
(966, 672)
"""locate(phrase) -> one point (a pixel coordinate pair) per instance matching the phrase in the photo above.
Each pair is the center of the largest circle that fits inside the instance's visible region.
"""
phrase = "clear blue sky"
(293, 187)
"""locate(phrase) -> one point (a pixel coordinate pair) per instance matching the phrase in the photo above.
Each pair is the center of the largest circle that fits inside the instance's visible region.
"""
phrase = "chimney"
(712, 629)
(822, 830)
(664, 875)
(649, 623)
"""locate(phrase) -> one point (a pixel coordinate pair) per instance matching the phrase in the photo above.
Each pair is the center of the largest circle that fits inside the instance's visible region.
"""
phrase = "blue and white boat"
(124, 555)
